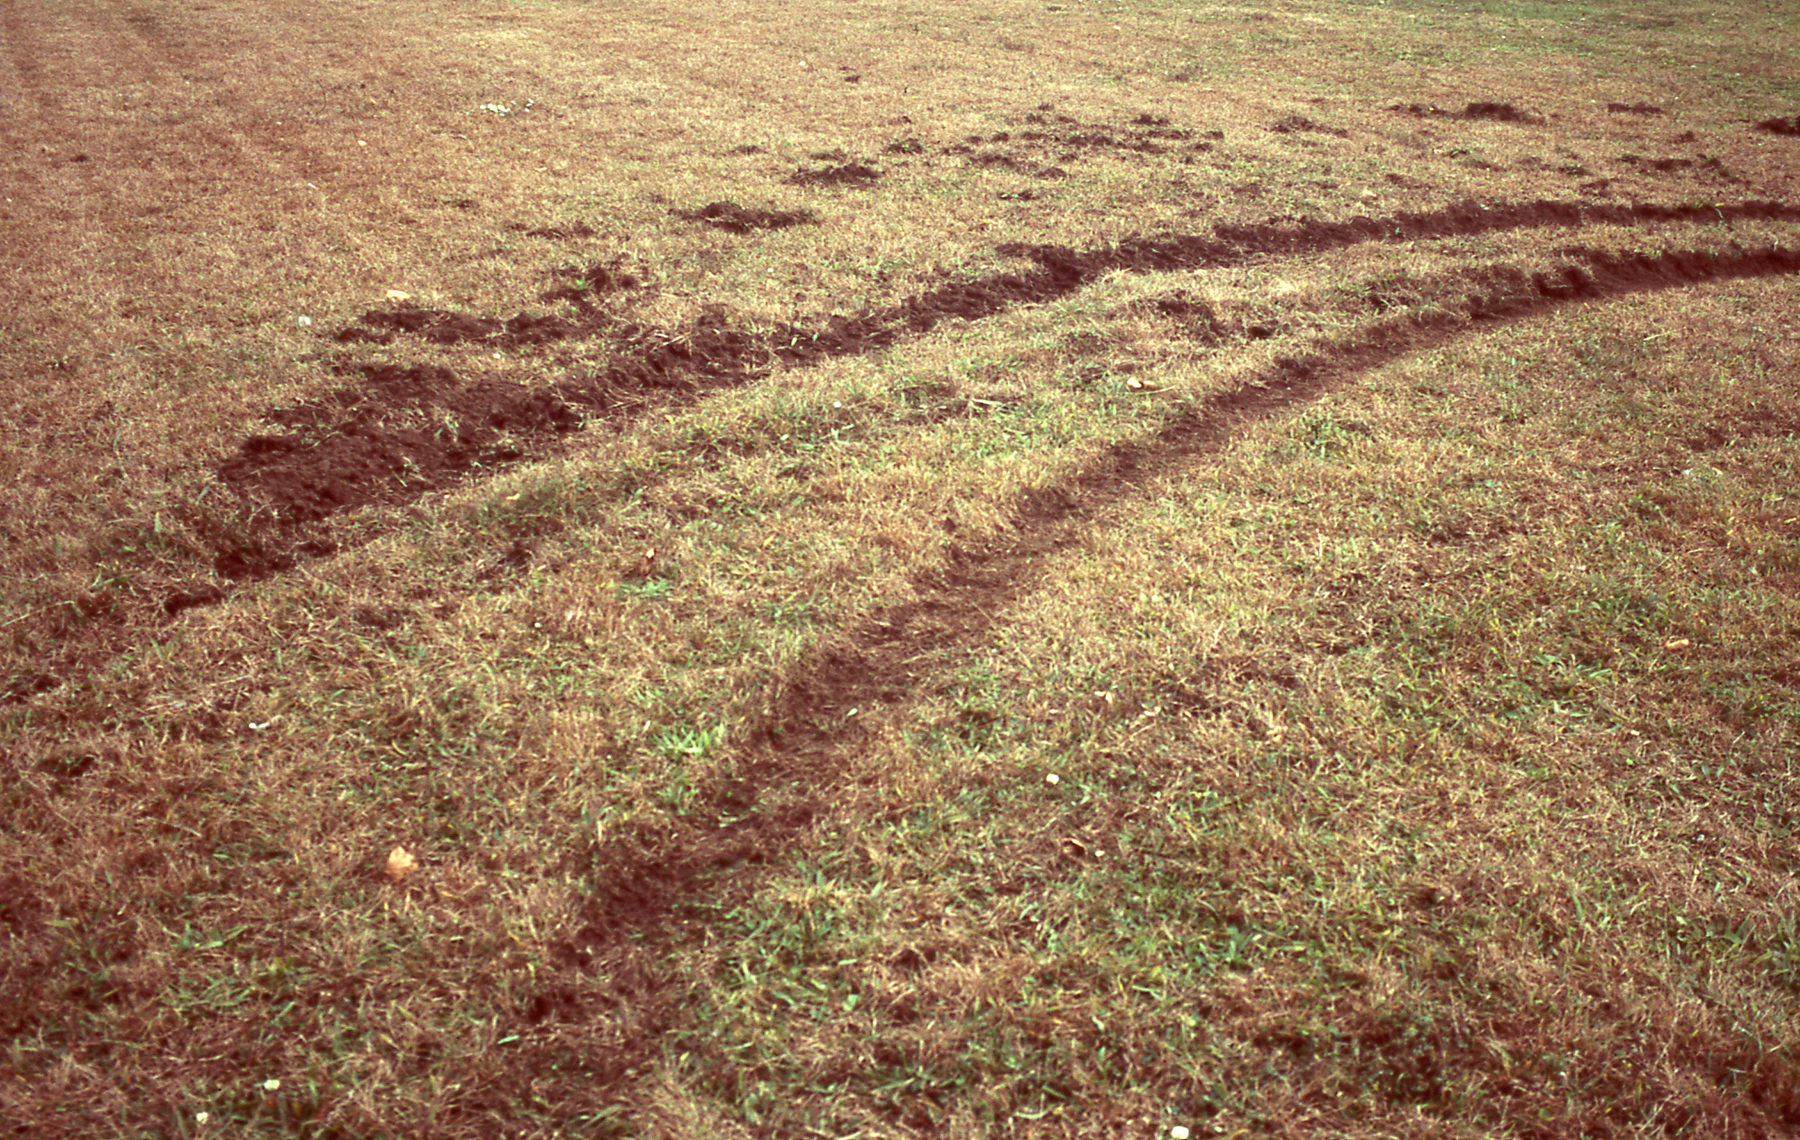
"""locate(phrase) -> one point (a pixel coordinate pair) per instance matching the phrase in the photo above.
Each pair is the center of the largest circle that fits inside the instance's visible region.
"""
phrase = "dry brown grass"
(1303, 681)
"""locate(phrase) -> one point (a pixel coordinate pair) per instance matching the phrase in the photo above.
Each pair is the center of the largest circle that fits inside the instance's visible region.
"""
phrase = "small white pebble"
(202, 1117)
(271, 1084)
(303, 322)
(1053, 778)
(1179, 1132)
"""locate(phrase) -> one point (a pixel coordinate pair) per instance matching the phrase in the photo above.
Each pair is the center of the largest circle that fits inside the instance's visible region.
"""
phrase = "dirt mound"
(736, 219)
(561, 233)
(1498, 113)
(379, 443)
(593, 280)
(1780, 126)
(399, 432)
(1634, 109)
(1061, 139)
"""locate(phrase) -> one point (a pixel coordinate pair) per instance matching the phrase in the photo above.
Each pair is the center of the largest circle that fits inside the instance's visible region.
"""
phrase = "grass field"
(995, 569)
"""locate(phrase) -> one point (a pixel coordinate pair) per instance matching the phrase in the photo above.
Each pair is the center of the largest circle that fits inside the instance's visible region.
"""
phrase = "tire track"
(651, 888)
(340, 454)
(342, 461)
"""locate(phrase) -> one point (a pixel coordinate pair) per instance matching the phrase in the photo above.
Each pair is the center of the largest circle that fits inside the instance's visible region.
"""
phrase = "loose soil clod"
(1489, 111)
(736, 219)
(850, 174)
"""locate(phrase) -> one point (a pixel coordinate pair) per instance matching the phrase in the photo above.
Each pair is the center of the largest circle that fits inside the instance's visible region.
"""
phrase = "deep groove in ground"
(646, 888)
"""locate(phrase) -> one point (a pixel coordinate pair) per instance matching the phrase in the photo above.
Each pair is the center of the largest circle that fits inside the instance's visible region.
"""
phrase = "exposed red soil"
(442, 326)
(1780, 126)
(1047, 141)
(1706, 166)
(1634, 109)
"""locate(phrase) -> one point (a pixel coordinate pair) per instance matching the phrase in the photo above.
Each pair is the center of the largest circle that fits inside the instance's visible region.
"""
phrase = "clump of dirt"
(202, 595)
(1499, 113)
(1196, 316)
(445, 326)
(1634, 109)
(736, 219)
(561, 233)
(1491, 112)
(849, 174)
(595, 279)
(1780, 126)
(1293, 123)
(1069, 139)
(398, 433)
(1661, 165)
(1707, 166)
(904, 146)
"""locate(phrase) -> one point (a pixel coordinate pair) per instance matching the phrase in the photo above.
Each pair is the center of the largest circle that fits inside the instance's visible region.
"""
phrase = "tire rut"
(651, 897)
